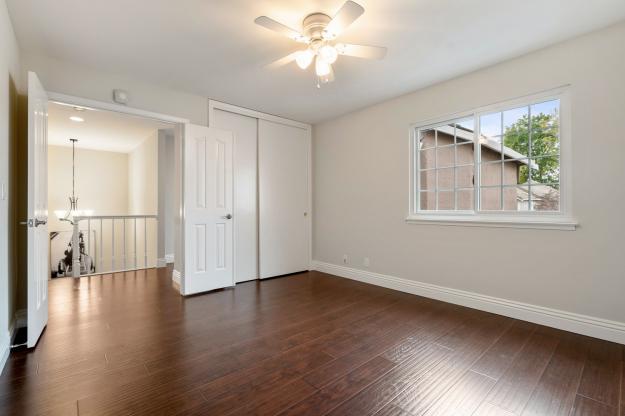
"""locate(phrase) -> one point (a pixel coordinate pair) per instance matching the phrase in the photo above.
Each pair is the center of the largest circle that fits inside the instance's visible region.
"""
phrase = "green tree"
(545, 146)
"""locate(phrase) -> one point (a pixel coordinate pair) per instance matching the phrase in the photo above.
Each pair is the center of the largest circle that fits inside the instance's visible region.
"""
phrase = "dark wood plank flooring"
(307, 344)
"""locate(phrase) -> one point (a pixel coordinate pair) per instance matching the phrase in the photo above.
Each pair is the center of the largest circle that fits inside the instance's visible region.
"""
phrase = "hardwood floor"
(307, 344)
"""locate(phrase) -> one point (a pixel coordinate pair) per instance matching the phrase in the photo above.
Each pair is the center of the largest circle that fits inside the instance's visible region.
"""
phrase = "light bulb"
(322, 68)
(328, 53)
(304, 58)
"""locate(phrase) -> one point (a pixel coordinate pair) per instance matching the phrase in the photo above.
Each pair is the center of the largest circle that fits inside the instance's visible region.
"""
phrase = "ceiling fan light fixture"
(322, 68)
(304, 58)
(327, 35)
(319, 31)
(328, 53)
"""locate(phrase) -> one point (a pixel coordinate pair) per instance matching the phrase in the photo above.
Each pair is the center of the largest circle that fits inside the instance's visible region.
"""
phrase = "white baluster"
(145, 242)
(101, 244)
(112, 244)
(135, 264)
(76, 250)
(124, 244)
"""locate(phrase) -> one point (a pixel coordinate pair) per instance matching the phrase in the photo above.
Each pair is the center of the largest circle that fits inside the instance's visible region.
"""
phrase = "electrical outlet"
(365, 262)
(344, 258)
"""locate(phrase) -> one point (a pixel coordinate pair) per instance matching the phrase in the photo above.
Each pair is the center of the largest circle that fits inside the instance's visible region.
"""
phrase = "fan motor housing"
(314, 24)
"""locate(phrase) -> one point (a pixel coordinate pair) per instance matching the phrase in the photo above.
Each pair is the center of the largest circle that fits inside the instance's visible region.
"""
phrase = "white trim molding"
(20, 320)
(118, 108)
(5, 349)
(164, 261)
(568, 321)
(218, 105)
(537, 223)
(176, 277)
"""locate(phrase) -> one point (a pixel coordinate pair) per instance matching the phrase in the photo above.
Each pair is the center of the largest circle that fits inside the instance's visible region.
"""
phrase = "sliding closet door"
(283, 198)
(245, 130)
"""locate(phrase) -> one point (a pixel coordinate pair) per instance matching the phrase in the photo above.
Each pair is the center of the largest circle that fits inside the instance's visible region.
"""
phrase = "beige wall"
(101, 182)
(143, 177)
(80, 81)
(9, 82)
(361, 187)
(143, 196)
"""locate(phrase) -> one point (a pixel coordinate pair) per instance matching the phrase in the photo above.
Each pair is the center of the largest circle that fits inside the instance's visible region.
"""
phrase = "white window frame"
(556, 220)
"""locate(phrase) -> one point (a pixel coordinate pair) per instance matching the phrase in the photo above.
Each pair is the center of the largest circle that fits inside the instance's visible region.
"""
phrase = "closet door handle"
(227, 217)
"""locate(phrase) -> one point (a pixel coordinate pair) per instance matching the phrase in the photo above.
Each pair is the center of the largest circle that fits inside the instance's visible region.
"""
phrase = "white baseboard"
(164, 261)
(175, 277)
(20, 319)
(581, 324)
(5, 349)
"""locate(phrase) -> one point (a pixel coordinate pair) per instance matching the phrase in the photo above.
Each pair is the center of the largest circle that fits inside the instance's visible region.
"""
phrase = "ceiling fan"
(319, 31)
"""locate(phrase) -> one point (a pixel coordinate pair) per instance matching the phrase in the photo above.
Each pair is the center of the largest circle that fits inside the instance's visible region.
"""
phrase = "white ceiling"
(213, 48)
(101, 130)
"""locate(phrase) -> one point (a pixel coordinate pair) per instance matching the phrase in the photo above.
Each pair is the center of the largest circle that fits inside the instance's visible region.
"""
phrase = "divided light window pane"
(520, 158)
(446, 172)
(519, 161)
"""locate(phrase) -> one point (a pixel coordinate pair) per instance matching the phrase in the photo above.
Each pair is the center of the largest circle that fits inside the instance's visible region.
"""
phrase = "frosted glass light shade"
(322, 68)
(304, 58)
(328, 53)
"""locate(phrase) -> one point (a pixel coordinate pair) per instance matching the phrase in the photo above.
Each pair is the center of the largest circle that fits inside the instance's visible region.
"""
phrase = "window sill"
(541, 223)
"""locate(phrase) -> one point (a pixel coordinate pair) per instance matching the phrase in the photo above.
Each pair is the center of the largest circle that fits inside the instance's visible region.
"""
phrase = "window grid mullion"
(416, 166)
(502, 160)
(529, 160)
(455, 167)
(436, 167)
(477, 162)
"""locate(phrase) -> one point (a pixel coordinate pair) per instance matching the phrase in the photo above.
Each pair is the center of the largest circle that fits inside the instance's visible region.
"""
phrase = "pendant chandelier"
(73, 211)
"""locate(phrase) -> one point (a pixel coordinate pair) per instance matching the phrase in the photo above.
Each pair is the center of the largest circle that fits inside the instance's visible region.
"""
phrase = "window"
(500, 164)
(446, 166)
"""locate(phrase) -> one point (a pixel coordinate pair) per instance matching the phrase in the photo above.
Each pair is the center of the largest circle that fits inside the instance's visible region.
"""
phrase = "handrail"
(111, 217)
(84, 249)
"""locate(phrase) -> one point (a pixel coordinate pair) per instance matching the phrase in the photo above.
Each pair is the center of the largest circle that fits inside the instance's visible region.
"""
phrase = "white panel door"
(208, 229)
(245, 132)
(38, 238)
(283, 199)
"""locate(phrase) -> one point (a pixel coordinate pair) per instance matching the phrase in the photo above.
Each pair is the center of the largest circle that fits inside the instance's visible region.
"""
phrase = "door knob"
(227, 217)
(40, 222)
(34, 222)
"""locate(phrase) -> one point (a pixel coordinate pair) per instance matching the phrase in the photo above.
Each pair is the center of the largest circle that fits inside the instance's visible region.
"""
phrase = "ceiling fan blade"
(278, 27)
(282, 61)
(343, 18)
(361, 51)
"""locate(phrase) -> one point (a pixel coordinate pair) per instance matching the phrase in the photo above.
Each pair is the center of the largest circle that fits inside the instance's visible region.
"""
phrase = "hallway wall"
(72, 79)
(106, 194)
(9, 82)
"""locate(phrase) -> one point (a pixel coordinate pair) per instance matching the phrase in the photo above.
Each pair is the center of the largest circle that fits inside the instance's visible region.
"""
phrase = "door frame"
(219, 105)
(178, 123)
